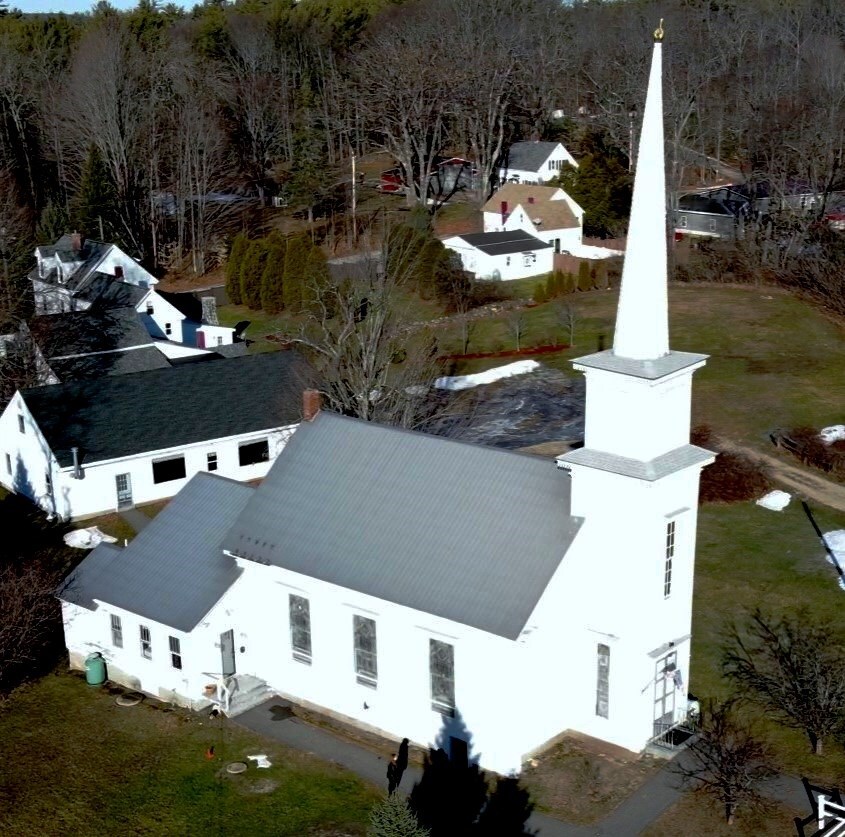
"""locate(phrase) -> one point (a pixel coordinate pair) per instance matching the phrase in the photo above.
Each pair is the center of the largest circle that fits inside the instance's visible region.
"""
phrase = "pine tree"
(95, 202)
(585, 281)
(316, 277)
(296, 259)
(550, 291)
(252, 267)
(540, 292)
(393, 818)
(233, 268)
(272, 279)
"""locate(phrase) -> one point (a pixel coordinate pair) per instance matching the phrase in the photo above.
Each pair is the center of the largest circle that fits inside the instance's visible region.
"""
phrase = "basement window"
(253, 453)
(167, 470)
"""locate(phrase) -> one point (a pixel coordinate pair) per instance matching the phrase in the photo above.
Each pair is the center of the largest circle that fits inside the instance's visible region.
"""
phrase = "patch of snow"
(775, 500)
(834, 433)
(488, 377)
(588, 251)
(87, 538)
(835, 541)
(261, 760)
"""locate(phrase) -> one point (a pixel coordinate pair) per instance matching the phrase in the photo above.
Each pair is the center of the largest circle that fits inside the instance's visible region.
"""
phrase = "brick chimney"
(310, 404)
(504, 210)
(209, 310)
(76, 241)
(531, 199)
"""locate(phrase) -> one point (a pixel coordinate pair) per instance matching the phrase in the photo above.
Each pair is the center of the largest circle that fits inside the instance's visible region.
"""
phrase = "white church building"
(416, 585)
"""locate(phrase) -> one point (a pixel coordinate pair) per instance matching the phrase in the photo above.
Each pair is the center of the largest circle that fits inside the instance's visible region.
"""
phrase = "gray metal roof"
(500, 243)
(122, 415)
(649, 369)
(468, 533)
(529, 155)
(653, 469)
(174, 571)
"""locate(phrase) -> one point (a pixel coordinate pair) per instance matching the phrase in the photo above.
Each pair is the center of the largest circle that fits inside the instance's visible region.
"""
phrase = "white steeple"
(642, 323)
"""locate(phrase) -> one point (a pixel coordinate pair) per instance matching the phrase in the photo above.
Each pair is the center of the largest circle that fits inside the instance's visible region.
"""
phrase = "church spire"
(642, 319)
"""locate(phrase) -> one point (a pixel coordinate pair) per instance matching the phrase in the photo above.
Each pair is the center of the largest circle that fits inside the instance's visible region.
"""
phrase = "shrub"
(540, 293)
(233, 268)
(272, 278)
(252, 267)
(733, 477)
(585, 281)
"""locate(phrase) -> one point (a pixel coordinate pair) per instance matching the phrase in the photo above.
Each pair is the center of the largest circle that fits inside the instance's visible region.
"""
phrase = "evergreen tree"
(540, 292)
(233, 268)
(52, 224)
(252, 267)
(392, 817)
(550, 291)
(316, 278)
(585, 282)
(95, 203)
(296, 260)
(272, 279)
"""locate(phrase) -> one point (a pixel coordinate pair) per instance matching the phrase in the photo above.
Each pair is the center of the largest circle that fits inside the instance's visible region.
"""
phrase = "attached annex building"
(405, 581)
(93, 446)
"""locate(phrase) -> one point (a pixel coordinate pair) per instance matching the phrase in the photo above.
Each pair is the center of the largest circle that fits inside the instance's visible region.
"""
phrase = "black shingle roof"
(146, 411)
(529, 156)
(500, 243)
(82, 332)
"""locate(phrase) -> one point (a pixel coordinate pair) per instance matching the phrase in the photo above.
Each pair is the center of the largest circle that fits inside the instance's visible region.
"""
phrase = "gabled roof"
(129, 414)
(186, 304)
(468, 533)
(82, 332)
(502, 243)
(108, 363)
(544, 213)
(174, 571)
(529, 155)
(106, 291)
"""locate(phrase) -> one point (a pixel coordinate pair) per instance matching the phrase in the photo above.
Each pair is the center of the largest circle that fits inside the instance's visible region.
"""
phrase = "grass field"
(747, 557)
(78, 764)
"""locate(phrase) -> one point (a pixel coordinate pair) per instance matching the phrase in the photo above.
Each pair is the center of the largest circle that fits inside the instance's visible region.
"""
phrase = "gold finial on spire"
(658, 33)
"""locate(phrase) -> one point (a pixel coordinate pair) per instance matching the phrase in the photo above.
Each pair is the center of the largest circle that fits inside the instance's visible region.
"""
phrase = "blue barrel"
(95, 669)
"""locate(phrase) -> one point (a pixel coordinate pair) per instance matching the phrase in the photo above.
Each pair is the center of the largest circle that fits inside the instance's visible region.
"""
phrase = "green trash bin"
(95, 669)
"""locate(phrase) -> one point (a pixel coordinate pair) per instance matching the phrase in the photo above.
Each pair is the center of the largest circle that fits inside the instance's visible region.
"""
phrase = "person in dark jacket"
(393, 775)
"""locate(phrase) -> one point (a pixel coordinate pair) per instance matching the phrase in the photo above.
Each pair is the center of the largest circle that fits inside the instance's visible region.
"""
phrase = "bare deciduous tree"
(794, 666)
(725, 760)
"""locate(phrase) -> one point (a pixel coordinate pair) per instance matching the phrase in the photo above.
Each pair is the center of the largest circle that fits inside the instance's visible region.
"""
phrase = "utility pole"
(354, 200)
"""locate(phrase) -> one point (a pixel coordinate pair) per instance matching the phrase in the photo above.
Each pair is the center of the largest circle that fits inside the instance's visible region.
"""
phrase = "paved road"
(272, 720)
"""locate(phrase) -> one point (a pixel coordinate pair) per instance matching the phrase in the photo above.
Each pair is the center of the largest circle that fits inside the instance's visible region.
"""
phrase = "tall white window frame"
(603, 680)
(366, 650)
(175, 652)
(299, 610)
(669, 557)
(116, 631)
(146, 642)
(441, 665)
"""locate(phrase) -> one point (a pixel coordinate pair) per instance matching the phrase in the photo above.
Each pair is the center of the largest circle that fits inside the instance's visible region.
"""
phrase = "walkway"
(135, 518)
(273, 720)
(803, 481)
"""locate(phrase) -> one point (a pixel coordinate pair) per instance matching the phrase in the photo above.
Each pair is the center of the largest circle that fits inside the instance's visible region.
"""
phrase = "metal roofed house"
(422, 587)
(87, 447)
(545, 212)
(511, 254)
(533, 161)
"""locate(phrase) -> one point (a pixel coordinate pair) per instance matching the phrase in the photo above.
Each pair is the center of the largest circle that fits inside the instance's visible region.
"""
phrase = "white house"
(75, 272)
(92, 446)
(533, 161)
(546, 212)
(422, 587)
(79, 274)
(514, 254)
